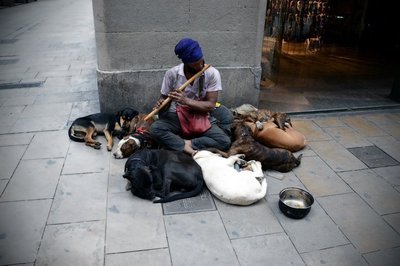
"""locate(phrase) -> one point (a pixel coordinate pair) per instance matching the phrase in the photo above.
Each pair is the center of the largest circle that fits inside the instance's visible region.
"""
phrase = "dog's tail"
(73, 136)
(298, 159)
(196, 191)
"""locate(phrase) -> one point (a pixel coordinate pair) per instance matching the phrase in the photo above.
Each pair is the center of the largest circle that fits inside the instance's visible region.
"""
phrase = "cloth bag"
(193, 123)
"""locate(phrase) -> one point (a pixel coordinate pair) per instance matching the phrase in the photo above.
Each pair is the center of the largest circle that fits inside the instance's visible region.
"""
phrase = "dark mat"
(203, 202)
(373, 157)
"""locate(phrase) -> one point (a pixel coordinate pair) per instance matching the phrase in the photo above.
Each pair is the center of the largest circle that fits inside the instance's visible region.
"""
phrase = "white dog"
(229, 185)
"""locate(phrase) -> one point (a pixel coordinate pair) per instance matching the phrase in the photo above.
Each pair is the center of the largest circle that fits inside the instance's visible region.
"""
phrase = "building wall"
(136, 39)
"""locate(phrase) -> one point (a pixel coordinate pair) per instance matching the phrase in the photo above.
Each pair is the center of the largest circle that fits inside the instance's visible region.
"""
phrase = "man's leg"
(165, 131)
(215, 137)
(224, 118)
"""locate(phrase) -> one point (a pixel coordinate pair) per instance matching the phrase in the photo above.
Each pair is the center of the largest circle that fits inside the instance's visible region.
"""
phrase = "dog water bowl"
(295, 202)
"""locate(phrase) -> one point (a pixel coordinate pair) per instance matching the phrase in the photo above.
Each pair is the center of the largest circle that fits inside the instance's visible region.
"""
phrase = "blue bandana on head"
(188, 50)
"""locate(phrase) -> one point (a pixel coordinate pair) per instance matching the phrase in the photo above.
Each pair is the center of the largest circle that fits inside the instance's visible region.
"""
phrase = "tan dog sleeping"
(270, 135)
(273, 129)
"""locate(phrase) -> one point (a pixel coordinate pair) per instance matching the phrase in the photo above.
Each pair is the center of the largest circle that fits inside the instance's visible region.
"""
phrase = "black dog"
(83, 129)
(157, 173)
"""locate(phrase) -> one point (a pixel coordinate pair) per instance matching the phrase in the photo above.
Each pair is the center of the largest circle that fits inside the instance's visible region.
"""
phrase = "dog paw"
(97, 145)
(109, 148)
(259, 125)
(242, 163)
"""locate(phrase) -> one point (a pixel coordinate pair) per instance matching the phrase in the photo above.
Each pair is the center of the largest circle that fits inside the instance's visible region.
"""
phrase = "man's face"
(195, 67)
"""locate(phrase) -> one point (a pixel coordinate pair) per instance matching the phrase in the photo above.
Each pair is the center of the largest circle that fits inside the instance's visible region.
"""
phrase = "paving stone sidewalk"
(62, 203)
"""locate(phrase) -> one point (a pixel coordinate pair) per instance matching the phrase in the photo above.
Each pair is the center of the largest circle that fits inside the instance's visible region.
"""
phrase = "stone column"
(136, 39)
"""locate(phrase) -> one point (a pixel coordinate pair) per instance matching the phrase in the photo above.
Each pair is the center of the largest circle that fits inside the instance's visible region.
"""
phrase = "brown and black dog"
(277, 159)
(139, 138)
(84, 129)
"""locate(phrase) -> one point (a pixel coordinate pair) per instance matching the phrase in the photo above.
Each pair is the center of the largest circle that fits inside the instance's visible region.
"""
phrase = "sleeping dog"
(84, 129)
(243, 187)
(159, 173)
(139, 138)
(277, 159)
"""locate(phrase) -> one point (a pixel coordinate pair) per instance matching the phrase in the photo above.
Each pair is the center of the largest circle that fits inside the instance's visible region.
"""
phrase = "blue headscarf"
(188, 50)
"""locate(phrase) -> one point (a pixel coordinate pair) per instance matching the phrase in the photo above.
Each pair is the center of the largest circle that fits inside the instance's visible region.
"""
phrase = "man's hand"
(159, 102)
(178, 97)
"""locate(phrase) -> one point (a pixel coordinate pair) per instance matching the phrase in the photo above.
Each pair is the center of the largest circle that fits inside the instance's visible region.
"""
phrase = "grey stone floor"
(62, 203)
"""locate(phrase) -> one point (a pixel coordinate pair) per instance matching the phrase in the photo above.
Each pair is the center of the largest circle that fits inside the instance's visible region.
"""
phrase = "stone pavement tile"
(16, 139)
(58, 73)
(379, 194)
(39, 110)
(198, 239)
(49, 144)
(34, 179)
(11, 110)
(390, 174)
(84, 159)
(154, 257)
(133, 224)
(21, 227)
(3, 184)
(278, 182)
(275, 249)
(343, 255)
(44, 123)
(73, 244)
(67, 97)
(336, 156)
(363, 127)
(393, 220)
(319, 178)
(366, 230)
(388, 144)
(380, 119)
(392, 129)
(10, 93)
(348, 137)
(10, 157)
(373, 157)
(245, 221)
(389, 257)
(200, 203)
(80, 198)
(9, 118)
(116, 183)
(310, 130)
(84, 108)
(19, 100)
(329, 122)
(306, 233)
(307, 151)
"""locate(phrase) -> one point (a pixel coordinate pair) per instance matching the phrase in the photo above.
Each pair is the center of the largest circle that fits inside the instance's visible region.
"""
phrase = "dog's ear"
(127, 175)
(134, 112)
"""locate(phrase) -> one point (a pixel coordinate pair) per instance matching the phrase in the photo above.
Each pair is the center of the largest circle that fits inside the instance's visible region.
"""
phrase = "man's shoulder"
(213, 73)
(174, 70)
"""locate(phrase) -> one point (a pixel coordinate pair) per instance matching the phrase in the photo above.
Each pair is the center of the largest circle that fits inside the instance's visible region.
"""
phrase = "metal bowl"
(295, 202)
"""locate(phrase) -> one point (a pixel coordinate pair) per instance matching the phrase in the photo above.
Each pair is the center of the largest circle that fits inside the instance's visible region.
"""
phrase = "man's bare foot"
(188, 147)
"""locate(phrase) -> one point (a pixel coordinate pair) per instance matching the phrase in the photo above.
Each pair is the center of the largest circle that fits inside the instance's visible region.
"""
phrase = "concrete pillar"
(135, 46)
